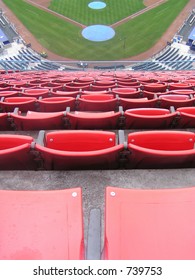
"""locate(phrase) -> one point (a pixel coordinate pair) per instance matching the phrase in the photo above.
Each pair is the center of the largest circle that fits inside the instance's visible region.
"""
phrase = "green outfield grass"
(65, 39)
(78, 10)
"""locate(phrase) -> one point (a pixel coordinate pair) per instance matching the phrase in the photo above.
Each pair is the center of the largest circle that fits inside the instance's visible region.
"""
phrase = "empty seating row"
(125, 92)
(140, 118)
(139, 225)
(72, 83)
(94, 102)
(89, 149)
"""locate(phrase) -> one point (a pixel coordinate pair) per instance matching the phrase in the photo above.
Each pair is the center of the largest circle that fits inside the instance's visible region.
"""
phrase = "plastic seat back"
(56, 104)
(161, 149)
(155, 87)
(130, 103)
(41, 225)
(38, 120)
(163, 140)
(149, 118)
(101, 102)
(81, 141)
(23, 103)
(80, 149)
(175, 100)
(4, 124)
(93, 120)
(187, 117)
(15, 152)
(150, 224)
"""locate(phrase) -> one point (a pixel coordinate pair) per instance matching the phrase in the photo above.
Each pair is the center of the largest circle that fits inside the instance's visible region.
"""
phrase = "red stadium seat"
(134, 84)
(81, 149)
(175, 86)
(104, 82)
(93, 120)
(101, 87)
(161, 149)
(87, 92)
(41, 225)
(4, 124)
(15, 152)
(38, 120)
(126, 92)
(97, 102)
(155, 87)
(23, 103)
(149, 224)
(151, 95)
(187, 117)
(149, 118)
(86, 80)
(182, 91)
(176, 100)
(76, 87)
(130, 103)
(36, 92)
(56, 104)
(60, 93)
(9, 93)
(6, 88)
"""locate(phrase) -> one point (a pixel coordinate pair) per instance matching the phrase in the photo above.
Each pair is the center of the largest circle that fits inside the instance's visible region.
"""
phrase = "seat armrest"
(40, 138)
(16, 111)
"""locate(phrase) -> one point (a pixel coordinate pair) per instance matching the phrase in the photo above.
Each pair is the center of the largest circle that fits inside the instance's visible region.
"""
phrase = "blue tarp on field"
(3, 37)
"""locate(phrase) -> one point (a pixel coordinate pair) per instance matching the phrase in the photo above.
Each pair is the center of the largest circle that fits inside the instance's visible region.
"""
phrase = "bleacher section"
(173, 57)
(20, 57)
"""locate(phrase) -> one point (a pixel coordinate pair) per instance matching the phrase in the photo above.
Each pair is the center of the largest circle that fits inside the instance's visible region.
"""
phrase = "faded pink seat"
(149, 224)
(161, 149)
(149, 118)
(41, 225)
(79, 149)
